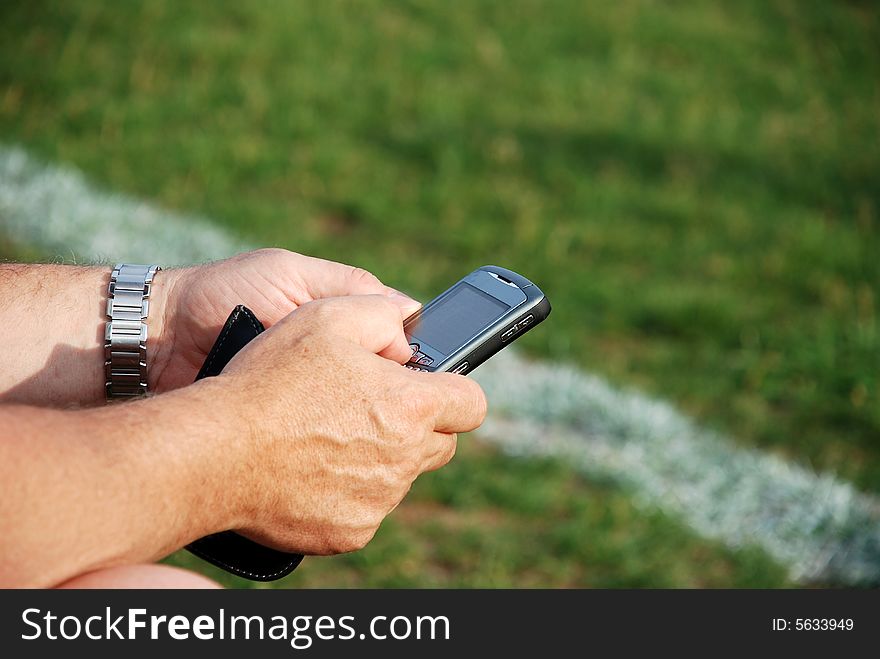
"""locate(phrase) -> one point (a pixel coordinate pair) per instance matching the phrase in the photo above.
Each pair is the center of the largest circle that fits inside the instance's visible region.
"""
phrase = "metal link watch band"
(125, 338)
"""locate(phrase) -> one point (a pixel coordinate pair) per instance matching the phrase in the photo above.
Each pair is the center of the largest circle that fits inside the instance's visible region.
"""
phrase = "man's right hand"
(333, 430)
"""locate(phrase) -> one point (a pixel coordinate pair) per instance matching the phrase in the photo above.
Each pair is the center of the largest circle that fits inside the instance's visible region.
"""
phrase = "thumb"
(407, 305)
(372, 321)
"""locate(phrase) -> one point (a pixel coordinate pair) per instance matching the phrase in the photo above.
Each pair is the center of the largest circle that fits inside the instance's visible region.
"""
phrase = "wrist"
(231, 460)
(194, 441)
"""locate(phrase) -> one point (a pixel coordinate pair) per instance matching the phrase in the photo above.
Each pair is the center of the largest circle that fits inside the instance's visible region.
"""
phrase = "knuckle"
(348, 543)
(388, 421)
(273, 253)
(401, 414)
(353, 539)
(321, 313)
(403, 471)
(363, 278)
(388, 477)
(338, 544)
(348, 530)
(269, 251)
(421, 404)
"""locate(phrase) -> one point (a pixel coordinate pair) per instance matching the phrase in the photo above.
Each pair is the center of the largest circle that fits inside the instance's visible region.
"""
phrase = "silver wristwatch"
(125, 338)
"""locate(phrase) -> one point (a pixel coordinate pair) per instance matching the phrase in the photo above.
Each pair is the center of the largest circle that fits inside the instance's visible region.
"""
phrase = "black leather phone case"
(227, 549)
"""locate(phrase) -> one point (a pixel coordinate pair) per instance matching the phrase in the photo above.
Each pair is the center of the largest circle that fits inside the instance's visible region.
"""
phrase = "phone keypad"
(419, 358)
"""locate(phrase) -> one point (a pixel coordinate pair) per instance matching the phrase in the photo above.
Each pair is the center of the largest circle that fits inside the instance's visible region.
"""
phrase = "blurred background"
(696, 185)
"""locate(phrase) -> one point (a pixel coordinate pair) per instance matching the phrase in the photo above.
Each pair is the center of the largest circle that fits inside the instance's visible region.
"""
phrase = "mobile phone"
(472, 320)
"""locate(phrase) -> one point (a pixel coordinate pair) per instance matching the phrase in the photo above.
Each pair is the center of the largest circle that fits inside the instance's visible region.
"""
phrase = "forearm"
(52, 321)
(115, 485)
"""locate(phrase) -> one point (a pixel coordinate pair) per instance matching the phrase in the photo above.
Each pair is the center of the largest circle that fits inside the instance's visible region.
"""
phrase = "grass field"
(695, 185)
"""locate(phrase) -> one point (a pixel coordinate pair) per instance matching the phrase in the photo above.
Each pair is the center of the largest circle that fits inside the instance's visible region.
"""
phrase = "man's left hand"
(191, 304)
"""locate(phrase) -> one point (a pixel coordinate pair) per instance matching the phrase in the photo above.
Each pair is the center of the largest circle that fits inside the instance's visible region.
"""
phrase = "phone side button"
(461, 368)
(509, 333)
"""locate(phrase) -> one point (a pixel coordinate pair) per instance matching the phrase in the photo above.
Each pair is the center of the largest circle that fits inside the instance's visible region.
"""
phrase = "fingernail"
(403, 301)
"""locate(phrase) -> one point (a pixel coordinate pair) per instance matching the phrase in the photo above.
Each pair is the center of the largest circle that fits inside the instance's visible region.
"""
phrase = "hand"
(334, 432)
(191, 304)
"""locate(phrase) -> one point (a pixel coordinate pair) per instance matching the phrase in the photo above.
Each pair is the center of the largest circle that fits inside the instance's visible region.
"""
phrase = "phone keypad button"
(519, 327)
(415, 348)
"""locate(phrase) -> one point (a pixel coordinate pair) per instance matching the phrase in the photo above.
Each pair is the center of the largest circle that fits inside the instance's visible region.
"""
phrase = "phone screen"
(462, 314)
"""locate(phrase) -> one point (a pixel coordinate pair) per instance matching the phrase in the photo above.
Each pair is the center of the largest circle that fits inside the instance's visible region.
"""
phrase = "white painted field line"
(55, 209)
(820, 527)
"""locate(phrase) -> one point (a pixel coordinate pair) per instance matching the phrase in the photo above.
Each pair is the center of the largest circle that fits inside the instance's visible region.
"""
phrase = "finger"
(370, 321)
(397, 352)
(461, 402)
(323, 279)
(407, 305)
(441, 451)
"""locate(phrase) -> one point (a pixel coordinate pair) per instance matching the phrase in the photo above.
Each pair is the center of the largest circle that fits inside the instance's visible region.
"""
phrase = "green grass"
(694, 184)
